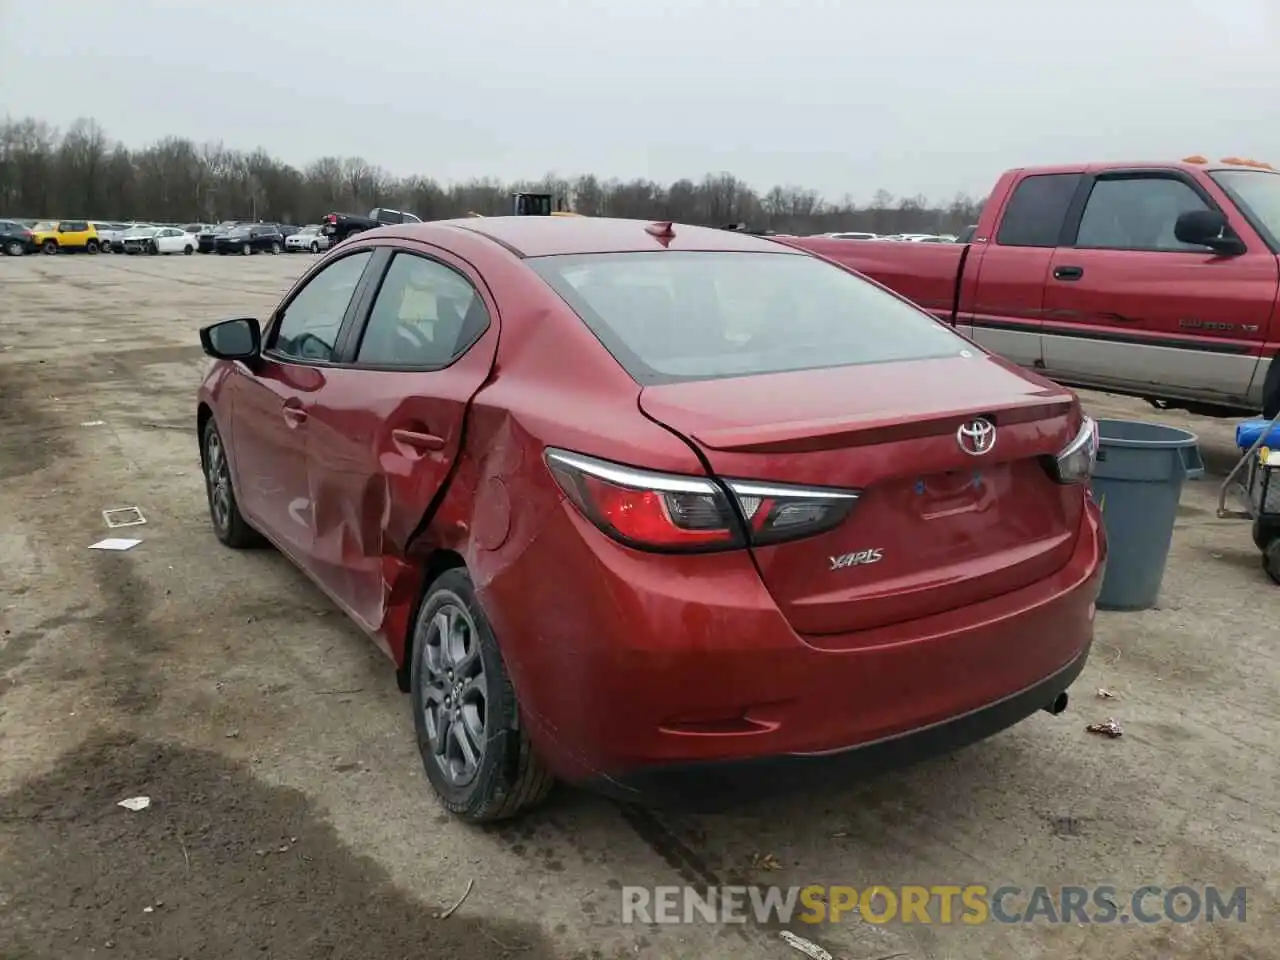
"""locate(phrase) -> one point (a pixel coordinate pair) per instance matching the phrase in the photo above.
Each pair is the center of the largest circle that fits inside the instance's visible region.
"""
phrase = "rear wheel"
(466, 717)
(1271, 390)
(91, 246)
(229, 525)
(1271, 560)
(50, 247)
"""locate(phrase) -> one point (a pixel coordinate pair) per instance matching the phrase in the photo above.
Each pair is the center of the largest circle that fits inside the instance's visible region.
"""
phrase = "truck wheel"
(1271, 561)
(1271, 390)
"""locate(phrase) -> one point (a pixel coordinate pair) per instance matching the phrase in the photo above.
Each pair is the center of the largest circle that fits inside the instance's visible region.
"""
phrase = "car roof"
(560, 236)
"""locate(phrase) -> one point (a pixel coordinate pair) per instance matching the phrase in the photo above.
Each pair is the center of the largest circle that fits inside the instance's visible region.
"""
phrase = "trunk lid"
(936, 528)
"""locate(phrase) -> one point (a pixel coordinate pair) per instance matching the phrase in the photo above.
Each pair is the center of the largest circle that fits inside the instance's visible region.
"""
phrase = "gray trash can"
(1136, 483)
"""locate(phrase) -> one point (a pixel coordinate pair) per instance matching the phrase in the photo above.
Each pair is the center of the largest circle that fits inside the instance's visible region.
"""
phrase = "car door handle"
(1068, 273)
(417, 439)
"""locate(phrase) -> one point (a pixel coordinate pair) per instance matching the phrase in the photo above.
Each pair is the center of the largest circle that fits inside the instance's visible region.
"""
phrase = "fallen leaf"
(765, 861)
(1106, 694)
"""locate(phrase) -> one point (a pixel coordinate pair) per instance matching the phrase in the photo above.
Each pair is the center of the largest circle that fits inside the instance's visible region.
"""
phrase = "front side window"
(1137, 213)
(677, 316)
(309, 325)
(426, 315)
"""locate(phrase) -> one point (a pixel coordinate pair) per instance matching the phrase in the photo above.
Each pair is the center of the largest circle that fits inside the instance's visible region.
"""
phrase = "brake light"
(331, 218)
(1076, 461)
(676, 513)
(778, 512)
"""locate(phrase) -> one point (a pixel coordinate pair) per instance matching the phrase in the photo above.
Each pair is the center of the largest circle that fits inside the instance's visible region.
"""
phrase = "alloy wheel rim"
(219, 481)
(455, 692)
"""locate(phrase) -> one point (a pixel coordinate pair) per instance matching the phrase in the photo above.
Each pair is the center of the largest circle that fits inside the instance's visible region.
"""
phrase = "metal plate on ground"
(123, 517)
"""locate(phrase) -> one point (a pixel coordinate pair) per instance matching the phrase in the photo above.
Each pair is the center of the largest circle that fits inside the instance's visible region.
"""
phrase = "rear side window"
(425, 316)
(1037, 210)
(677, 316)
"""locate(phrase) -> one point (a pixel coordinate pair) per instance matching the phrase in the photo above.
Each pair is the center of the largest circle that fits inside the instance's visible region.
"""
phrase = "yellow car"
(54, 236)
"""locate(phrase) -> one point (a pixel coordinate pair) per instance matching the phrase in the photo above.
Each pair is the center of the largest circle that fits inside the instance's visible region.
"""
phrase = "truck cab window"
(1037, 210)
(1137, 213)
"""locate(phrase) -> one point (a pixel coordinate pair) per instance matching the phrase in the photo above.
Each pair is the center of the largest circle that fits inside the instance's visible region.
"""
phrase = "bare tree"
(82, 173)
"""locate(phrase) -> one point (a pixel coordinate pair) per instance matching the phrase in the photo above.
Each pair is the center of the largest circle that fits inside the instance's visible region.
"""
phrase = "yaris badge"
(977, 437)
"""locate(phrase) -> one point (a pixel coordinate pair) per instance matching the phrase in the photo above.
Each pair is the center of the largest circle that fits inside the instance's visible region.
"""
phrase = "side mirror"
(1208, 228)
(239, 339)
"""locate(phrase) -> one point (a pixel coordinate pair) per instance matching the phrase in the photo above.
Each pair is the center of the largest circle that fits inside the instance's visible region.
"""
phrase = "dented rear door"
(387, 428)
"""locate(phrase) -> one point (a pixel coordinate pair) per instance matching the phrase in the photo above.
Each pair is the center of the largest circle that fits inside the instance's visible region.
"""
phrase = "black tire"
(508, 776)
(1271, 390)
(14, 249)
(275, 249)
(50, 247)
(91, 246)
(1271, 560)
(187, 250)
(246, 250)
(229, 524)
(315, 247)
(153, 249)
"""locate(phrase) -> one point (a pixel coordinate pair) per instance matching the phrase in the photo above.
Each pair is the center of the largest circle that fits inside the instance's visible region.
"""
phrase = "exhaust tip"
(1057, 704)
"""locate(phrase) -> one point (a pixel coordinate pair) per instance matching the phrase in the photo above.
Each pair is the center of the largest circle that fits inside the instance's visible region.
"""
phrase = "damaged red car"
(675, 512)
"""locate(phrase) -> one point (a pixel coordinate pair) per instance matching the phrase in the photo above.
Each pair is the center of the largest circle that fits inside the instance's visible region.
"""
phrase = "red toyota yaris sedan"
(657, 508)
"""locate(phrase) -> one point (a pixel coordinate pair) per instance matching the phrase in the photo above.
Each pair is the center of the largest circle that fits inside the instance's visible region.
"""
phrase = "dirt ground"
(290, 817)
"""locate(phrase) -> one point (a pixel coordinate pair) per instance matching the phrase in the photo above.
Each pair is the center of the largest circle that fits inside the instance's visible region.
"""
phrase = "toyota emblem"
(976, 437)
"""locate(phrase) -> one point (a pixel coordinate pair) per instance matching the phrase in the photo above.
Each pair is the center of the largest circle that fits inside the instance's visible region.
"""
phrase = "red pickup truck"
(1156, 280)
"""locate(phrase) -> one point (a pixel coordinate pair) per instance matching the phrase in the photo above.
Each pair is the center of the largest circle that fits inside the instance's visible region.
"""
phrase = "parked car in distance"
(726, 554)
(66, 236)
(16, 239)
(852, 236)
(1156, 280)
(174, 240)
(339, 226)
(109, 234)
(139, 239)
(310, 239)
(206, 239)
(250, 238)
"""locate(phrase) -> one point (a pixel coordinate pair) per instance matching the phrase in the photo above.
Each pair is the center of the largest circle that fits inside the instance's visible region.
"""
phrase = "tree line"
(81, 172)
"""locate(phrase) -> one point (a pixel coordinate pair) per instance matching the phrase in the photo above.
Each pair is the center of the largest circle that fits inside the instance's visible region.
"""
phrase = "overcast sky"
(846, 96)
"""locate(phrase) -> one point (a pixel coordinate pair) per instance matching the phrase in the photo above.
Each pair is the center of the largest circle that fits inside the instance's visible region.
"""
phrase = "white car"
(110, 234)
(310, 238)
(174, 240)
(854, 235)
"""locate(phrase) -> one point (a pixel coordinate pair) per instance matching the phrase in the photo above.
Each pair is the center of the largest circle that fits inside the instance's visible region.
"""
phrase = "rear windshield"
(672, 317)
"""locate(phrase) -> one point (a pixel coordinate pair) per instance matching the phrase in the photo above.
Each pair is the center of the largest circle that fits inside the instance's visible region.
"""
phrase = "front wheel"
(14, 249)
(275, 249)
(229, 524)
(187, 250)
(477, 758)
(246, 250)
(154, 249)
(315, 247)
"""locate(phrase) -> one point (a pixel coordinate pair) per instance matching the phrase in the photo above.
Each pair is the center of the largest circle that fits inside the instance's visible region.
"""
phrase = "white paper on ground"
(135, 803)
(114, 543)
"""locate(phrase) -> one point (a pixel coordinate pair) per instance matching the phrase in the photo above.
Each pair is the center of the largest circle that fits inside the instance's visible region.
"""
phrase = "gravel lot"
(290, 817)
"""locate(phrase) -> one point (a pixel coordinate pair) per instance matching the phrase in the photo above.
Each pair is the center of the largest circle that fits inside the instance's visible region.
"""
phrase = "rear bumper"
(710, 786)
(635, 670)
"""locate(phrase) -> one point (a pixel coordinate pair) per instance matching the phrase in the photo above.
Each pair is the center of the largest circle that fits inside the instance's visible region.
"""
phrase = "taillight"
(331, 218)
(671, 512)
(780, 512)
(1076, 461)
